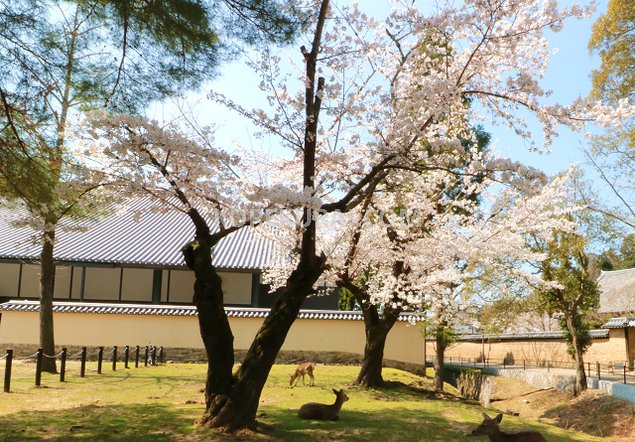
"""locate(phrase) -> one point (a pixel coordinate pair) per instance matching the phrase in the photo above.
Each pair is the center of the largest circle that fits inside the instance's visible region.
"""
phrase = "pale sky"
(568, 77)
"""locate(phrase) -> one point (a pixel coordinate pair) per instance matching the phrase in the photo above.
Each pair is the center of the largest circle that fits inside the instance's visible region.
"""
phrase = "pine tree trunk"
(377, 329)
(236, 408)
(47, 284)
(439, 358)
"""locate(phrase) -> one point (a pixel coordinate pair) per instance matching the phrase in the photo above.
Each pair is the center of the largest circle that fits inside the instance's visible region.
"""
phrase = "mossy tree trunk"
(439, 357)
(577, 351)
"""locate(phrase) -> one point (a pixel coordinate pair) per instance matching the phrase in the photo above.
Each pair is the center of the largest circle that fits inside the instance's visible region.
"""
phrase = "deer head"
(488, 426)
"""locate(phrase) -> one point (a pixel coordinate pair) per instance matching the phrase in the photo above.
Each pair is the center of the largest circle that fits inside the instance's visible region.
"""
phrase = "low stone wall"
(469, 381)
(622, 391)
(537, 377)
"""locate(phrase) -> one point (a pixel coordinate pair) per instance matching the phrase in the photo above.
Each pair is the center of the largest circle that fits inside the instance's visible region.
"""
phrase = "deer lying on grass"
(489, 428)
(324, 412)
(303, 369)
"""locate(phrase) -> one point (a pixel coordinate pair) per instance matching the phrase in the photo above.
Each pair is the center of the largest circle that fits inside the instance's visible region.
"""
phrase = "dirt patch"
(593, 412)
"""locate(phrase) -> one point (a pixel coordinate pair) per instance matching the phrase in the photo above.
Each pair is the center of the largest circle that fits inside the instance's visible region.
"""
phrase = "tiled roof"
(620, 323)
(137, 235)
(527, 335)
(617, 291)
(181, 310)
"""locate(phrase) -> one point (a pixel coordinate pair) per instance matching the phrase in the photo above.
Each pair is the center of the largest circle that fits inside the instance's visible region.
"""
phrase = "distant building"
(133, 255)
(617, 292)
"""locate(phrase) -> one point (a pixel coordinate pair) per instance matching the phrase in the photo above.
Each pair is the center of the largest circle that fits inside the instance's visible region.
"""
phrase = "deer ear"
(499, 418)
(487, 418)
(335, 391)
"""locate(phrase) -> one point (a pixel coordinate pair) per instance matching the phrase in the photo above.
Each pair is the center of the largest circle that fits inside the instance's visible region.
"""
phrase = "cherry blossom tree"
(373, 97)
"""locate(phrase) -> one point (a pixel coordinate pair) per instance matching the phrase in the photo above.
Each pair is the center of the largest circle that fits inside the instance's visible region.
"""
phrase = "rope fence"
(152, 357)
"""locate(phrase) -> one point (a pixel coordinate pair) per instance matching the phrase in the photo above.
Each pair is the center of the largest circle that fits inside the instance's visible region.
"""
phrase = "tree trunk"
(236, 407)
(580, 374)
(47, 284)
(377, 329)
(439, 358)
(213, 322)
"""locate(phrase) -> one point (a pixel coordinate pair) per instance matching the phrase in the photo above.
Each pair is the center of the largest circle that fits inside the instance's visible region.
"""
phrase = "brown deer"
(324, 412)
(489, 428)
(301, 370)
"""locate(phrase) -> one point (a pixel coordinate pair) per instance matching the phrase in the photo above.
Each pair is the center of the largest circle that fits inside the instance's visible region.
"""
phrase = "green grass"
(161, 404)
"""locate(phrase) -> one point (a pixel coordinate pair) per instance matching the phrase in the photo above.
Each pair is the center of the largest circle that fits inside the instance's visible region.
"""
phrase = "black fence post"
(114, 358)
(625, 364)
(524, 366)
(145, 359)
(126, 356)
(7, 371)
(38, 367)
(100, 358)
(63, 365)
(597, 369)
(136, 357)
(161, 355)
(82, 368)
(153, 357)
(588, 364)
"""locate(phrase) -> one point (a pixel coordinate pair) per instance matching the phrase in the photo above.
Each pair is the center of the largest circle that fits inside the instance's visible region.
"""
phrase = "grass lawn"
(161, 404)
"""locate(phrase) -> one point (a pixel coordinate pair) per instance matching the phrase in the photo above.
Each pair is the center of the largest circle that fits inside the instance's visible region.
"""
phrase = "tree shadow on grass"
(136, 422)
(437, 421)
(399, 391)
(400, 424)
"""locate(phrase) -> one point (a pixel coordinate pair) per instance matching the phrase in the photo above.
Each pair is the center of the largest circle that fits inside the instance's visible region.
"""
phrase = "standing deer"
(301, 370)
(489, 428)
(313, 410)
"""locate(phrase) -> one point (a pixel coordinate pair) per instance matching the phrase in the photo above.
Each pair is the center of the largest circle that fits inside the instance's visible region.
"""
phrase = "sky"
(568, 77)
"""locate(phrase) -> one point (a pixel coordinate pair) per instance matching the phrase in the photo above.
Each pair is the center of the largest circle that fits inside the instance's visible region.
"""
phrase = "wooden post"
(82, 368)
(588, 364)
(126, 356)
(145, 359)
(161, 355)
(597, 369)
(136, 357)
(625, 364)
(38, 367)
(100, 358)
(524, 366)
(63, 365)
(153, 358)
(114, 358)
(7, 371)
